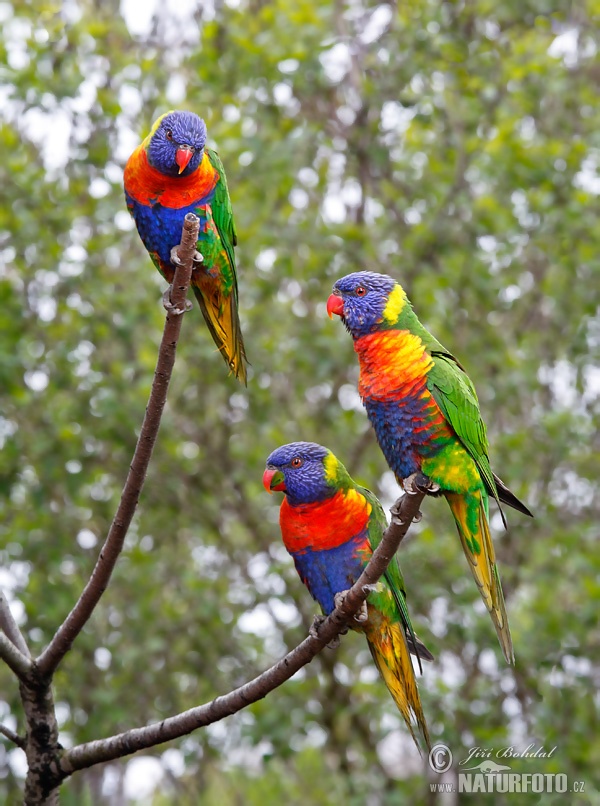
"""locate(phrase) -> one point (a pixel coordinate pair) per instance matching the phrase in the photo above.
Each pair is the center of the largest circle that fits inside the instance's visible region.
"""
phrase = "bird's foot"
(419, 483)
(314, 628)
(173, 309)
(413, 484)
(174, 256)
(361, 615)
(176, 260)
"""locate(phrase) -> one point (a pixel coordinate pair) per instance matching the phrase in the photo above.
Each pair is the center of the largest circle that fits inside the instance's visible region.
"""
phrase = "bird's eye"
(360, 290)
(296, 462)
(169, 134)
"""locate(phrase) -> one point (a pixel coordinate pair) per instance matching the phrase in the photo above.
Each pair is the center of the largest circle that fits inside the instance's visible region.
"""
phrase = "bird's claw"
(174, 310)
(419, 483)
(174, 256)
(176, 260)
(361, 615)
(396, 513)
(313, 631)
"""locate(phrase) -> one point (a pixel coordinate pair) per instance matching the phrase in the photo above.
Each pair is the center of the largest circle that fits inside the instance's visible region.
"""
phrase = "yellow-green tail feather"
(389, 649)
(221, 317)
(473, 528)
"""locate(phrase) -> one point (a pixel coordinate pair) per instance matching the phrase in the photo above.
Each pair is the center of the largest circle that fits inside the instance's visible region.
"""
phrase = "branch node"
(13, 737)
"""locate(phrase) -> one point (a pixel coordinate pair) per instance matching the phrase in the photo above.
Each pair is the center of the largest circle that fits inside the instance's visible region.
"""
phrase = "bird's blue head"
(304, 471)
(176, 143)
(366, 301)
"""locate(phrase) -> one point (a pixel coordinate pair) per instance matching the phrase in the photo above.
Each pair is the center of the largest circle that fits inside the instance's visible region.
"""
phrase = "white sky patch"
(128, 140)
(142, 776)
(18, 763)
(399, 755)
(351, 193)
(50, 132)
(8, 428)
(173, 761)
(376, 24)
(591, 376)
(258, 621)
(285, 612)
(37, 380)
(588, 177)
(395, 117)
(349, 398)
(288, 66)
(333, 209)
(336, 62)
(265, 260)
(561, 377)
(564, 45)
(176, 89)
(86, 539)
(138, 15)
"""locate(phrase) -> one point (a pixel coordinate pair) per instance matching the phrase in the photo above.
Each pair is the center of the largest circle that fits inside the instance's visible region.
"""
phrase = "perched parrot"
(171, 174)
(331, 526)
(425, 412)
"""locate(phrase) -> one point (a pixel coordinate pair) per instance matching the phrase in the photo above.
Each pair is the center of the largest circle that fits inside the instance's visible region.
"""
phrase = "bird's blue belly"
(160, 227)
(330, 571)
(396, 423)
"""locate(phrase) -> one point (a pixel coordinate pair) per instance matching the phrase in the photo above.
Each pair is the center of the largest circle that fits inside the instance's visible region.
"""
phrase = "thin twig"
(12, 736)
(14, 658)
(101, 750)
(10, 627)
(109, 554)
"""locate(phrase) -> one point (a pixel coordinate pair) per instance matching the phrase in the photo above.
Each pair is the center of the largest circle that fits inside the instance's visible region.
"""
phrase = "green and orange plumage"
(425, 413)
(170, 174)
(331, 526)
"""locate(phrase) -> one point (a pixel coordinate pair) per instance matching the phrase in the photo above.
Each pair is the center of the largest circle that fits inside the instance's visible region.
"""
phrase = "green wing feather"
(455, 394)
(223, 212)
(219, 301)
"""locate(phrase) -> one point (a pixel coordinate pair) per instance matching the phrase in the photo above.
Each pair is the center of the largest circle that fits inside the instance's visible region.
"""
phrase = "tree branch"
(122, 744)
(10, 627)
(14, 658)
(109, 554)
(12, 736)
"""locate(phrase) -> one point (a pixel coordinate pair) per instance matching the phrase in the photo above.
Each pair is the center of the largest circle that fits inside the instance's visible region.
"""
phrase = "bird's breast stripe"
(147, 186)
(393, 363)
(324, 524)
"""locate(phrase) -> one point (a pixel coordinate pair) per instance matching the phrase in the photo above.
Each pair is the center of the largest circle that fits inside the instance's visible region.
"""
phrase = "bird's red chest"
(324, 524)
(392, 363)
(148, 186)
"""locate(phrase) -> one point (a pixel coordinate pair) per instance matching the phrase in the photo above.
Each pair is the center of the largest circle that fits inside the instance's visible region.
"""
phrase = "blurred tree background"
(454, 145)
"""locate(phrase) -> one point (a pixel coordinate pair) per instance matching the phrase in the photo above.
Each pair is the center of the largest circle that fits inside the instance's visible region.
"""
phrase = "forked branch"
(122, 744)
(109, 554)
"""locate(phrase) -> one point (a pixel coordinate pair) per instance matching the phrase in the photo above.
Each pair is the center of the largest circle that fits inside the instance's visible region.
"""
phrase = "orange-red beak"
(335, 305)
(182, 157)
(273, 480)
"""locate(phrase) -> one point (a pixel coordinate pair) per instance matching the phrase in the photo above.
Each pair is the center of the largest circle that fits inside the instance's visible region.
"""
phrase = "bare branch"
(12, 736)
(10, 627)
(109, 554)
(14, 658)
(86, 755)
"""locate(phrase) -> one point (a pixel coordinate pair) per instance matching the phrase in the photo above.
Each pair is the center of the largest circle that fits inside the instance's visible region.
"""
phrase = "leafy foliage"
(453, 145)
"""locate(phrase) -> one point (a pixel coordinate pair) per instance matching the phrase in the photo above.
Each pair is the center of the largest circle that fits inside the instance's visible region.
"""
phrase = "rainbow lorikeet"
(425, 412)
(172, 173)
(331, 526)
